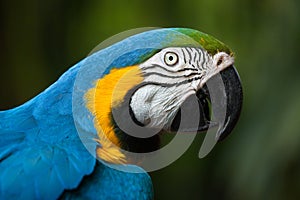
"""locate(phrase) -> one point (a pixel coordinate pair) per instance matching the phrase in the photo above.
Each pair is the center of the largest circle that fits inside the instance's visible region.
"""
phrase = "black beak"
(220, 103)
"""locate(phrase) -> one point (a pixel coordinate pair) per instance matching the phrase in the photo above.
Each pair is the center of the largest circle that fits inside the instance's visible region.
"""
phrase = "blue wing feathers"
(40, 152)
(108, 183)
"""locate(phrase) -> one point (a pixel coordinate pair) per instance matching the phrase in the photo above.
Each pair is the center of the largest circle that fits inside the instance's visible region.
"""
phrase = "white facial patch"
(171, 76)
(156, 106)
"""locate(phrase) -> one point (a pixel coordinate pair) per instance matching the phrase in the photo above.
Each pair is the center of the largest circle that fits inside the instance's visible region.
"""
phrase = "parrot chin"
(219, 102)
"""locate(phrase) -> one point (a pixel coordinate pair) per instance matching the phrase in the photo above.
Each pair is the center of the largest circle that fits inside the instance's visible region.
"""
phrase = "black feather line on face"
(175, 84)
(129, 142)
(165, 69)
(167, 76)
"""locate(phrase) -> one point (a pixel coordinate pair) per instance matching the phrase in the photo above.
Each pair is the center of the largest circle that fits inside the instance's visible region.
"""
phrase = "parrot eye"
(171, 58)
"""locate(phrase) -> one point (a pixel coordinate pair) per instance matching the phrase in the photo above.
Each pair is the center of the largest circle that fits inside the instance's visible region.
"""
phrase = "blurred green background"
(40, 40)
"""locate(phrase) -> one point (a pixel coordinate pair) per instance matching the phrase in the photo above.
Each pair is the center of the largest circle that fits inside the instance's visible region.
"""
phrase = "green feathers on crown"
(175, 37)
(209, 43)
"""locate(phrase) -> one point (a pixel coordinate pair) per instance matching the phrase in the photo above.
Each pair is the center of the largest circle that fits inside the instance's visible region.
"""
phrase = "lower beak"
(219, 102)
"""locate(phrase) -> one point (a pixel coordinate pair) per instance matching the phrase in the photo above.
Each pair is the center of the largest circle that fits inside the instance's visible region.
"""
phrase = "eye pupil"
(171, 58)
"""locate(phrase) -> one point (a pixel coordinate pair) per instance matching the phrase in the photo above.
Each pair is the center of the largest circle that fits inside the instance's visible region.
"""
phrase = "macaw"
(61, 143)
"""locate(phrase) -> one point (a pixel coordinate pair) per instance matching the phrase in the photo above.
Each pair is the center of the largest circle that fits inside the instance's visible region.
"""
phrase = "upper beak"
(219, 102)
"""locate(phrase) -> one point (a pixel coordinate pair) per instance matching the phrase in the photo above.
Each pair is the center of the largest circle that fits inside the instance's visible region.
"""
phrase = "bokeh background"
(39, 40)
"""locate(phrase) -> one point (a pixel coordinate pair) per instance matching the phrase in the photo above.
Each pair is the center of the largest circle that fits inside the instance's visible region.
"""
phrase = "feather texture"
(41, 152)
(109, 183)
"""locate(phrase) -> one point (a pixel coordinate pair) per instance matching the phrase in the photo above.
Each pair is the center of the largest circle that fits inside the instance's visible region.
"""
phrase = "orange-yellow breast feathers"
(109, 91)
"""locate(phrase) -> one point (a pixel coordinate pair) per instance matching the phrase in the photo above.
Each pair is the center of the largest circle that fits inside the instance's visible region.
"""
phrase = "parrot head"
(165, 80)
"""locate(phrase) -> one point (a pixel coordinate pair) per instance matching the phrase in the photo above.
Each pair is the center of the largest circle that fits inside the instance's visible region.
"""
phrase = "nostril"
(220, 61)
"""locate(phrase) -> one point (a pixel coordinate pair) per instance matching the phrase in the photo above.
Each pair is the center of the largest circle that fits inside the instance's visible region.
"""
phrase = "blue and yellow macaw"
(62, 143)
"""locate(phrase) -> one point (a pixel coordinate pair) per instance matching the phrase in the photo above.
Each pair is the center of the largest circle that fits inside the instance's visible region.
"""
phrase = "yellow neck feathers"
(109, 91)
